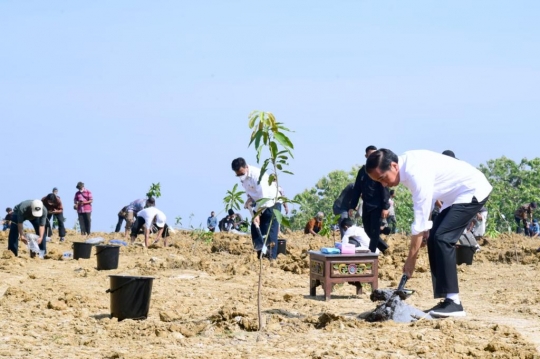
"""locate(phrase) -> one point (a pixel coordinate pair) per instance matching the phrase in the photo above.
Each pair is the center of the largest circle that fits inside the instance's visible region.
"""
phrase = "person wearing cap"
(7, 219)
(33, 211)
(266, 222)
(54, 208)
(463, 191)
(315, 224)
(83, 204)
(375, 204)
(524, 214)
(146, 218)
(134, 208)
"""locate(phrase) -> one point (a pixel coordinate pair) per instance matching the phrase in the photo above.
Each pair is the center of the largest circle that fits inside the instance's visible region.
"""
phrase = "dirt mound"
(204, 304)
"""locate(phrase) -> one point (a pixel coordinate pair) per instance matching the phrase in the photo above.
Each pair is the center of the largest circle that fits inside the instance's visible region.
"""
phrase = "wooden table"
(329, 269)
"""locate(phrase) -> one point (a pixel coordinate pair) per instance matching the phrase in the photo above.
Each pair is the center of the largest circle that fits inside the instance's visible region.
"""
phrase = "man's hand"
(22, 237)
(409, 266)
(384, 213)
(414, 247)
(40, 239)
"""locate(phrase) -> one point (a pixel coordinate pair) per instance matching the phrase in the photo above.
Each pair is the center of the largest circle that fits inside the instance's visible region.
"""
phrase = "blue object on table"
(330, 250)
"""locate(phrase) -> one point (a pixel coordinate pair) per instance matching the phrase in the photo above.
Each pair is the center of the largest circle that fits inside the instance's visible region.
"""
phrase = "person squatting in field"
(146, 219)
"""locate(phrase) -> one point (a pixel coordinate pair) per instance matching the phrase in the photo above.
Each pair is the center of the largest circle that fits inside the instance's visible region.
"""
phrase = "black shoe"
(447, 308)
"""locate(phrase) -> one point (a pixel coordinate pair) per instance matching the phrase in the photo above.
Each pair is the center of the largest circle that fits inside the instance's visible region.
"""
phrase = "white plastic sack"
(95, 240)
(33, 245)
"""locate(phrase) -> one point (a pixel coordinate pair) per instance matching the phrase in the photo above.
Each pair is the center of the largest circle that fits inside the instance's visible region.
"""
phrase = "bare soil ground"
(204, 305)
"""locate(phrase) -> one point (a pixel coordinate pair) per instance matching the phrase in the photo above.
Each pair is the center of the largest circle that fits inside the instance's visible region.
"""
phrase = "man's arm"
(41, 234)
(385, 193)
(22, 236)
(356, 191)
(146, 234)
(414, 248)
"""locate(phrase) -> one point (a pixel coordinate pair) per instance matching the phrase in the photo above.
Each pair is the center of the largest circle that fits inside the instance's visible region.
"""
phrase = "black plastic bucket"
(464, 254)
(82, 250)
(281, 246)
(107, 256)
(130, 296)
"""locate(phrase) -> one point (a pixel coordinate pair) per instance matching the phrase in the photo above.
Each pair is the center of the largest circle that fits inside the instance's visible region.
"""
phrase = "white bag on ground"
(95, 240)
(33, 245)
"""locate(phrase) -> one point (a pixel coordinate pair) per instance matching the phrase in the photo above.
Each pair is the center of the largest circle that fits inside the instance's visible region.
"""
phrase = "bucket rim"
(131, 276)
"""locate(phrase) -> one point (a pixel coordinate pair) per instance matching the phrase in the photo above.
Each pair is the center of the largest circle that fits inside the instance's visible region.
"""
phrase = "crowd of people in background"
(365, 199)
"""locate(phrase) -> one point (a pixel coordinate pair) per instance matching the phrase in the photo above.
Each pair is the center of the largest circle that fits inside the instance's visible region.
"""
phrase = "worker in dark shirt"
(54, 207)
(341, 204)
(375, 205)
(33, 211)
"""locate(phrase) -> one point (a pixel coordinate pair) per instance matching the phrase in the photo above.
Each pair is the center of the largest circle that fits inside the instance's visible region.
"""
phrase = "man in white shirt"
(146, 218)
(266, 222)
(355, 232)
(462, 189)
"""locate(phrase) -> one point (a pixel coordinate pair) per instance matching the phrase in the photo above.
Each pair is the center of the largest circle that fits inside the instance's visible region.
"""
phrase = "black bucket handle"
(120, 286)
(102, 249)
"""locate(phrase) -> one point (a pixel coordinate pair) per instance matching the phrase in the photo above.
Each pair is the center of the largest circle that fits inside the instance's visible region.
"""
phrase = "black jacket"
(341, 204)
(374, 194)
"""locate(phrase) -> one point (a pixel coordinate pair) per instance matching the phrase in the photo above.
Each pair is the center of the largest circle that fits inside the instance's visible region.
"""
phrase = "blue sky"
(123, 94)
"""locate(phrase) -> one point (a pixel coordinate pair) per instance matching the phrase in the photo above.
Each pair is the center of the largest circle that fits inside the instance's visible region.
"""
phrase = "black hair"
(449, 153)
(371, 148)
(392, 192)
(230, 212)
(8, 209)
(346, 222)
(238, 163)
(533, 205)
(381, 159)
(51, 197)
(150, 202)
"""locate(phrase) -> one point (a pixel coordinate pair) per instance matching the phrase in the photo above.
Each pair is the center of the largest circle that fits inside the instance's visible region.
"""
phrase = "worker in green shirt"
(33, 211)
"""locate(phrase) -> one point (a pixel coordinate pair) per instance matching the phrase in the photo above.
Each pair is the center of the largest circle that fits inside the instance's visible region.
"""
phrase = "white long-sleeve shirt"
(431, 176)
(257, 191)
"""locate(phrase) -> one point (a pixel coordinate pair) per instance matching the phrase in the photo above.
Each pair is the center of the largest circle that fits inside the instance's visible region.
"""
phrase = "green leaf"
(273, 149)
(284, 140)
(288, 172)
(252, 118)
(278, 215)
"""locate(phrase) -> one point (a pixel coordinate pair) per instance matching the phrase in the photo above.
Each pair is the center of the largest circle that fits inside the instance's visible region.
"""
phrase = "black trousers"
(61, 227)
(119, 224)
(85, 221)
(443, 236)
(372, 225)
(270, 225)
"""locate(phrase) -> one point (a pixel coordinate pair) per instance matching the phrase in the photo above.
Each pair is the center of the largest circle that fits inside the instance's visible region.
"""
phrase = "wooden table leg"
(327, 285)
(313, 283)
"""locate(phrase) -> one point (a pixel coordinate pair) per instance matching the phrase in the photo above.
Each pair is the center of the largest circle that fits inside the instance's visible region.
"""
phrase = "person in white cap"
(33, 211)
(147, 218)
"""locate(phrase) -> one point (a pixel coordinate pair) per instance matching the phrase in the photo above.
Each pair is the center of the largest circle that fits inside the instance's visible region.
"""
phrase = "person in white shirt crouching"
(354, 234)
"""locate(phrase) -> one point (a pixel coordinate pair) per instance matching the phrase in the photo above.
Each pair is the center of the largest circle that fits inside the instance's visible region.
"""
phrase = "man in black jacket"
(341, 204)
(374, 207)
